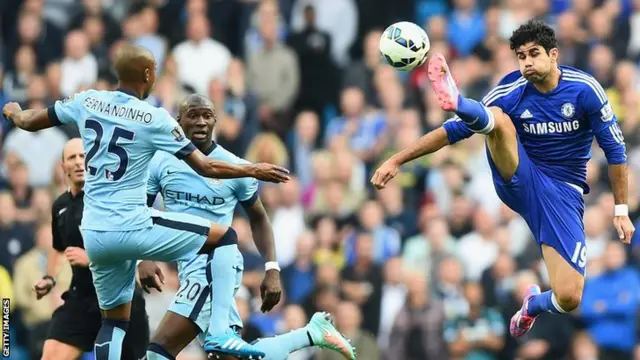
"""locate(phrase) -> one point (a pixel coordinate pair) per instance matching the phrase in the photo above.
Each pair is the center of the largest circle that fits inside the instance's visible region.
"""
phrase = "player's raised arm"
(450, 132)
(216, 169)
(609, 136)
(61, 112)
(29, 120)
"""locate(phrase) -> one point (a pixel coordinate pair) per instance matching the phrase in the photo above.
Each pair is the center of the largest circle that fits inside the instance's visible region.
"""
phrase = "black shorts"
(78, 321)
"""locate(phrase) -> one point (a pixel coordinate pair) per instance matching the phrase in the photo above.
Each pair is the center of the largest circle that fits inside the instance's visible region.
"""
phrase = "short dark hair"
(534, 31)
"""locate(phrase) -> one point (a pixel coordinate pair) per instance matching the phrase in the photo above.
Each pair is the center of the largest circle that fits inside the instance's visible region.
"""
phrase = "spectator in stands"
(393, 298)
(419, 327)
(15, 239)
(479, 334)
(29, 268)
(329, 248)
(96, 8)
(478, 250)
(16, 81)
(348, 320)
(39, 151)
(318, 74)
(307, 126)
(287, 221)
(44, 37)
(610, 304)
(396, 214)
(273, 74)
(364, 133)
(360, 73)
(298, 277)
(583, 347)
(339, 18)
(423, 253)
(497, 281)
(466, 26)
(193, 56)
(362, 281)
(79, 67)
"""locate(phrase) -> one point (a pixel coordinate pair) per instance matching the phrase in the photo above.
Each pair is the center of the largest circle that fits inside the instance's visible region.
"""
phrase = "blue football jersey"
(184, 191)
(120, 134)
(556, 128)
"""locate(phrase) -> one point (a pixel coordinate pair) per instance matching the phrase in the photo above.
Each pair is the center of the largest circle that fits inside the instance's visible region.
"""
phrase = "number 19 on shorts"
(579, 256)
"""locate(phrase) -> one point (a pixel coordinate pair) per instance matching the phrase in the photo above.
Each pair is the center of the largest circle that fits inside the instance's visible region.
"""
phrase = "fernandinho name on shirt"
(124, 112)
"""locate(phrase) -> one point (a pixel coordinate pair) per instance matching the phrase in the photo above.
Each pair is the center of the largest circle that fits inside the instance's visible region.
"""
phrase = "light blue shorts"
(113, 254)
(193, 300)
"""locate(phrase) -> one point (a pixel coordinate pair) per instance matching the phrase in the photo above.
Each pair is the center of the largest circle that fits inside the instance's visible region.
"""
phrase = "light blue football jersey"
(120, 134)
(184, 191)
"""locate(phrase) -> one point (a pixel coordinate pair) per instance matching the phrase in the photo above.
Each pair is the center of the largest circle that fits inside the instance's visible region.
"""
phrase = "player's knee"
(569, 297)
(501, 121)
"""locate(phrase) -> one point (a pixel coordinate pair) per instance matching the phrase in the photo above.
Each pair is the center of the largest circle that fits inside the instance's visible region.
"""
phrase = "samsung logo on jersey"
(123, 112)
(196, 198)
(551, 127)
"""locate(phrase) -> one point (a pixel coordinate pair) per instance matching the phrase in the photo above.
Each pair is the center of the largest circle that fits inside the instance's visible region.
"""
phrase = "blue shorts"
(193, 300)
(553, 209)
(113, 254)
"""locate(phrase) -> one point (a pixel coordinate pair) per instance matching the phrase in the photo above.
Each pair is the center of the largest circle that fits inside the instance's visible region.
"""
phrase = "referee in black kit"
(75, 324)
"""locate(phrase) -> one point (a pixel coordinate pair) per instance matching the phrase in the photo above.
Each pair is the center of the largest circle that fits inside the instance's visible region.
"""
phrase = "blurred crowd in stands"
(432, 267)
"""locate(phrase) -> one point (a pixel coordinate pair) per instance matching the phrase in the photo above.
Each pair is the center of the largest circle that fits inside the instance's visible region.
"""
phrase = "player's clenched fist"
(387, 171)
(624, 228)
(10, 108)
(271, 173)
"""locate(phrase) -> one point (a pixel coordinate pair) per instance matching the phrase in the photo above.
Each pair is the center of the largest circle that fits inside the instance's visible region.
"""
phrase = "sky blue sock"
(475, 115)
(544, 302)
(108, 344)
(221, 275)
(279, 347)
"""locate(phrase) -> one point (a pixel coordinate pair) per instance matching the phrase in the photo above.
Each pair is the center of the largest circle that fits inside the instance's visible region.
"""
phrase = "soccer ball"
(404, 45)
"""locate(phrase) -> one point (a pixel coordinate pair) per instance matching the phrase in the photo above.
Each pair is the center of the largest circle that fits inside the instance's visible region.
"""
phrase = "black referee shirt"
(67, 215)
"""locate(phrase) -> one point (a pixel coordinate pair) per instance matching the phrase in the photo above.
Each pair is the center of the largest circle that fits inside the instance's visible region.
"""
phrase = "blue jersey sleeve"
(456, 130)
(504, 91)
(168, 136)
(604, 124)
(68, 110)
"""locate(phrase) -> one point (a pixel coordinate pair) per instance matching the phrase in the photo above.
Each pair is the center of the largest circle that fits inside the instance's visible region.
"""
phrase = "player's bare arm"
(29, 120)
(270, 289)
(215, 169)
(427, 144)
(619, 184)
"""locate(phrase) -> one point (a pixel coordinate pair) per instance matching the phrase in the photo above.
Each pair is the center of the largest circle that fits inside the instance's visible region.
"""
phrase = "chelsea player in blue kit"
(121, 133)
(184, 191)
(539, 124)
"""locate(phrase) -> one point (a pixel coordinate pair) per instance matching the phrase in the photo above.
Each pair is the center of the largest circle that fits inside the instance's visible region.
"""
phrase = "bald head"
(194, 101)
(136, 66)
